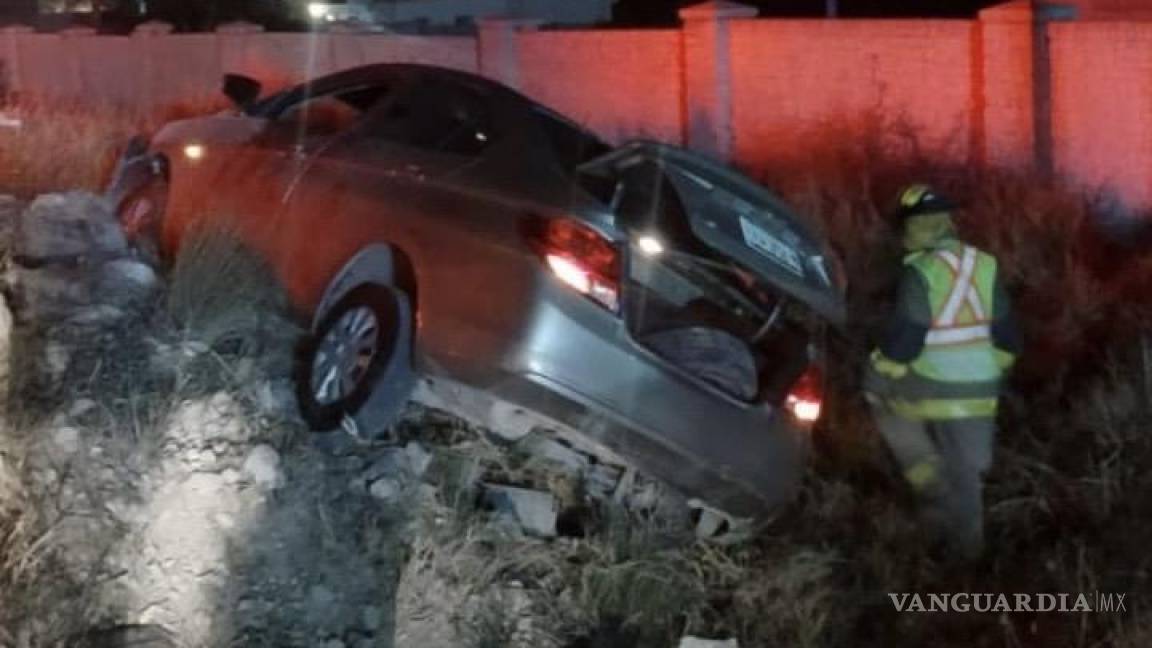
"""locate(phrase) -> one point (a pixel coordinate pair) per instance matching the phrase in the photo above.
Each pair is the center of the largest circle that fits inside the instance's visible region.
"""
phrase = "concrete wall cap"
(1012, 12)
(718, 10)
(153, 28)
(239, 27)
(78, 31)
(17, 29)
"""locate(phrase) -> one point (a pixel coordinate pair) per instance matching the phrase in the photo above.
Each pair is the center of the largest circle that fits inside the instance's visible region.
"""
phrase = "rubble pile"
(178, 501)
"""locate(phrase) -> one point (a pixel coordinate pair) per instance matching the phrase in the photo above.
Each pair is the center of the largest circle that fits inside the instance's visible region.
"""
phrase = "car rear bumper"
(575, 364)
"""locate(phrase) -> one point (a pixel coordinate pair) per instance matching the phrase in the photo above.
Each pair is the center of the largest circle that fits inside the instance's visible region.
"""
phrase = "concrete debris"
(402, 465)
(81, 406)
(218, 418)
(418, 459)
(535, 511)
(393, 463)
(510, 422)
(386, 489)
(277, 399)
(127, 281)
(66, 440)
(558, 454)
(694, 642)
(57, 359)
(262, 467)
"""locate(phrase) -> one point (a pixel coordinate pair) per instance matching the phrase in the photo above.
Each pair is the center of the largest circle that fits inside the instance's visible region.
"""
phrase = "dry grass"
(224, 295)
(62, 146)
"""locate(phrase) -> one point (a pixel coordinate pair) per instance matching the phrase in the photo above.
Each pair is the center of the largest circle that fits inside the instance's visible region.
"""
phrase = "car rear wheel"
(355, 372)
(141, 215)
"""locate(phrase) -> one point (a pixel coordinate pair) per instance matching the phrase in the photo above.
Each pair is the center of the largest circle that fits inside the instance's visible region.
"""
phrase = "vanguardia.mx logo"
(986, 602)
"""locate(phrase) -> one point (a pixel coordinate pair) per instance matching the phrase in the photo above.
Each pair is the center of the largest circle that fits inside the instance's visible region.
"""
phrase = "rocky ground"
(170, 494)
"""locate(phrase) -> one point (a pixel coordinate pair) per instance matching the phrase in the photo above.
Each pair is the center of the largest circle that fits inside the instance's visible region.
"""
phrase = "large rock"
(127, 282)
(70, 264)
(75, 224)
(262, 467)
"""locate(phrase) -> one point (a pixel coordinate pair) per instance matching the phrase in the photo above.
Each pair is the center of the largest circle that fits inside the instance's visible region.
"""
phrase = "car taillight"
(583, 259)
(806, 398)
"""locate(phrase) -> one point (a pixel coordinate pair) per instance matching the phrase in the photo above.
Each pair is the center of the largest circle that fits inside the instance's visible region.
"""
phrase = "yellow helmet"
(923, 199)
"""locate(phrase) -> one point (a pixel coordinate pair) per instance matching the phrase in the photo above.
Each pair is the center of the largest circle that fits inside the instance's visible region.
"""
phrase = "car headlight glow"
(317, 10)
(650, 245)
(194, 151)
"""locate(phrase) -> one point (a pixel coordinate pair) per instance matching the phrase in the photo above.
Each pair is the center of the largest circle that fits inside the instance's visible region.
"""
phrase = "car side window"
(437, 116)
(571, 144)
(319, 117)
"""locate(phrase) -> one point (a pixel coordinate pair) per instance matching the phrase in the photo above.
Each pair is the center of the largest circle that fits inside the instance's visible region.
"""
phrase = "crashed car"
(448, 240)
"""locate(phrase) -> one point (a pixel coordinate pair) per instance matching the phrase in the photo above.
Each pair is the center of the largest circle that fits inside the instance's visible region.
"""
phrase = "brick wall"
(620, 83)
(792, 80)
(1102, 106)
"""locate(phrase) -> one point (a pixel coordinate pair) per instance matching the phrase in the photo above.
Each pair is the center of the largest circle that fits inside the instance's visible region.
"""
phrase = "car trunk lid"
(741, 220)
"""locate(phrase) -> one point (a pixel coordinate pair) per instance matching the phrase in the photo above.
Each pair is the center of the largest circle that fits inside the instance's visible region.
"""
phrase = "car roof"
(383, 71)
(379, 72)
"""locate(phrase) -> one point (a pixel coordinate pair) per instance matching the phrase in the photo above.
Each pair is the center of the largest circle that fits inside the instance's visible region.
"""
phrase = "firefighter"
(934, 382)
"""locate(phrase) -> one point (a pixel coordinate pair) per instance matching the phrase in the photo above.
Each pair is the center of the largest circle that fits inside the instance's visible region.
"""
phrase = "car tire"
(141, 216)
(357, 365)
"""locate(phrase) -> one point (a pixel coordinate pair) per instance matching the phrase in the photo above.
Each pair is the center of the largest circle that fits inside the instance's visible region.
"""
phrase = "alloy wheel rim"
(344, 355)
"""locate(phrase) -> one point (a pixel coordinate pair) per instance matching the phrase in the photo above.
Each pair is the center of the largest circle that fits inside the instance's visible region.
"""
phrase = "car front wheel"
(356, 369)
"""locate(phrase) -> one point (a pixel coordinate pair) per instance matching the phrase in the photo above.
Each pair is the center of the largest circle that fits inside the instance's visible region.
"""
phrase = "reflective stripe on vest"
(963, 293)
(958, 346)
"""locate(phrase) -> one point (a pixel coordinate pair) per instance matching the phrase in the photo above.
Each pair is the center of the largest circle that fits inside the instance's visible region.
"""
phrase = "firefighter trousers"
(945, 461)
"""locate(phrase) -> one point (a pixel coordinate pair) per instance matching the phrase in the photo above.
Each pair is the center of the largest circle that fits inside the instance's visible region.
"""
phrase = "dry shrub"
(224, 295)
(62, 146)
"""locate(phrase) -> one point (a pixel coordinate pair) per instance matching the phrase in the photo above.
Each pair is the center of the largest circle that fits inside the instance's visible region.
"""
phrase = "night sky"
(663, 12)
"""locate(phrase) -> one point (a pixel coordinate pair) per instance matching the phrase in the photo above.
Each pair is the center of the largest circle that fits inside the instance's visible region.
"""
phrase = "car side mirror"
(242, 90)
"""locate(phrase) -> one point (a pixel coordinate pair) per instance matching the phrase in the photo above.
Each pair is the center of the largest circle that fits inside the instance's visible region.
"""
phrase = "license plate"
(758, 238)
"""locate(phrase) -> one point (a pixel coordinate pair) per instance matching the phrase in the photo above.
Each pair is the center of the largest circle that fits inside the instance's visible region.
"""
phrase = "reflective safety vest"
(957, 375)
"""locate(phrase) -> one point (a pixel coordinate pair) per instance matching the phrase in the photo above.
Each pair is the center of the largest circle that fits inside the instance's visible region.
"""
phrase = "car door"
(268, 169)
(389, 180)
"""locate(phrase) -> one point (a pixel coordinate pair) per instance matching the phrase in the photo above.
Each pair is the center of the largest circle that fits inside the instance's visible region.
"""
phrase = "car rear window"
(571, 144)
